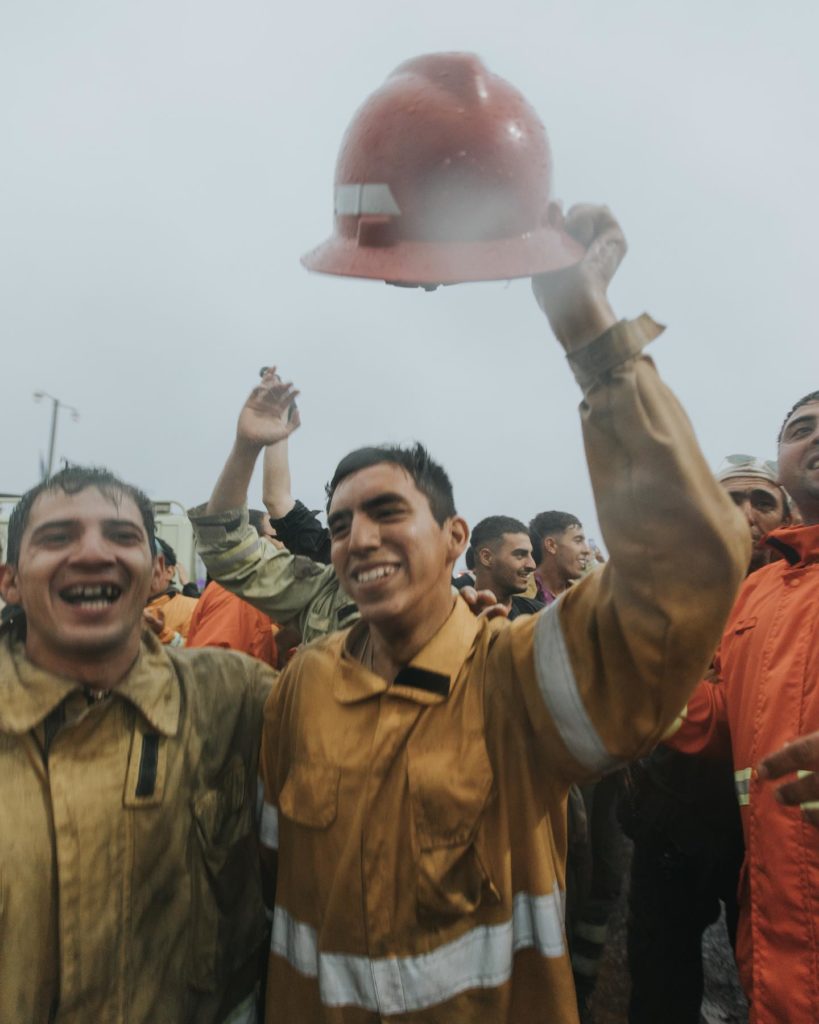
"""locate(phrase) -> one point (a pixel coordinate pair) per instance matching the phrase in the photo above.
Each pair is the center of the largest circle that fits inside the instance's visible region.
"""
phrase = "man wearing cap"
(681, 812)
(416, 767)
(767, 668)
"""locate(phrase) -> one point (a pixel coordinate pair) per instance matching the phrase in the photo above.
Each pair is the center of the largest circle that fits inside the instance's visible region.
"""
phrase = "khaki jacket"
(129, 882)
(418, 828)
(291, 589)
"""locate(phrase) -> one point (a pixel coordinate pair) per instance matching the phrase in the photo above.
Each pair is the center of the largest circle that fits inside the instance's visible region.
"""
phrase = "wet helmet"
(444, 175)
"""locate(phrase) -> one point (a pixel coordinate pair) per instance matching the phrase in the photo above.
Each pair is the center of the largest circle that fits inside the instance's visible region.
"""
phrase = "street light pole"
(56, 405)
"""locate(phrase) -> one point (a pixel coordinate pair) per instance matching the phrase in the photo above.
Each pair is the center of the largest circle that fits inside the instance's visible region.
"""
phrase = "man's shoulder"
(217, 673)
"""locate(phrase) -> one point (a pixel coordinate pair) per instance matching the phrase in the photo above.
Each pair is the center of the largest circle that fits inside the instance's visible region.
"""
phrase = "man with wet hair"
(129, 883)
(416, 766)
(766, 698)
(561, 551)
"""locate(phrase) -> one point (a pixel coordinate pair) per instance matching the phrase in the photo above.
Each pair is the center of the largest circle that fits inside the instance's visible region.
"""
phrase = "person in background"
(168, 611)
(500, 556)
(681, 812)
(221, 619)
(560, 550)
(765, 697)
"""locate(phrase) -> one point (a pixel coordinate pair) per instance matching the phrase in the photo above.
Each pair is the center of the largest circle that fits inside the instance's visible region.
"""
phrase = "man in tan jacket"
(416, 767)
(129, 881)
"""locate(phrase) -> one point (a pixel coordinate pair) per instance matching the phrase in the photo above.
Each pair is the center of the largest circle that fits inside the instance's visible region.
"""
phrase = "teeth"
(378, 573)
(97, 595)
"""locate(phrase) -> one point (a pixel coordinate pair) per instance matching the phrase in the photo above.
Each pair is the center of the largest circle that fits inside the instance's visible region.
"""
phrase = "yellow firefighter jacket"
(129, 882)
(418, 828)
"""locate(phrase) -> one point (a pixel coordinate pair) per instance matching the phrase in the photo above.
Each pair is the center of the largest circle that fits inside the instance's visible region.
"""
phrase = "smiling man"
(129, 885)
(500, 555)
(561, 551)
(416, 766)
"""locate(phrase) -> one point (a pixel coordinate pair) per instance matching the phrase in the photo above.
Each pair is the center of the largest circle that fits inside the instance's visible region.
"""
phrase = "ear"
(549, 546)
(158, 575)
(9, 585)
(485, 557)
(458, 537)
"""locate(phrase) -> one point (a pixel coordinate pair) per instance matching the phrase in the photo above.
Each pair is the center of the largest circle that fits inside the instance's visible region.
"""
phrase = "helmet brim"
(426, 264)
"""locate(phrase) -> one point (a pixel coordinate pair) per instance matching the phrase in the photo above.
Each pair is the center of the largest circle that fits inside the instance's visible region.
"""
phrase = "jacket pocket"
(449, 791)
(309, 796)
(744, 625)
(228, 921)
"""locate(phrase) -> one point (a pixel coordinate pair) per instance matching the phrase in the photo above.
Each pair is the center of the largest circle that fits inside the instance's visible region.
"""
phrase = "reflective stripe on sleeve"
(244, 1013)
(269, 827)
(742, 782)
(480, 958)
(558, 687)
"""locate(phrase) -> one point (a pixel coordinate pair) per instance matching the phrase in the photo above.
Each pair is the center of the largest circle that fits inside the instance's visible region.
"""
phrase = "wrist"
(575, 327)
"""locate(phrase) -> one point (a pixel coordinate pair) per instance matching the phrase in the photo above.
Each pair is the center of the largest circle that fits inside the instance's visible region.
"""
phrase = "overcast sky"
(165, 164)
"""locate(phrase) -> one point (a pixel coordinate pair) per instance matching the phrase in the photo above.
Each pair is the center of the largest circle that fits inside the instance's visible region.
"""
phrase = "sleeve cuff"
(624, 341)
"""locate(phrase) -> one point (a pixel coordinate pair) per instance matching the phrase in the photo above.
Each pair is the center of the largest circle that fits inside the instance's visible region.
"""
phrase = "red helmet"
(444, 175)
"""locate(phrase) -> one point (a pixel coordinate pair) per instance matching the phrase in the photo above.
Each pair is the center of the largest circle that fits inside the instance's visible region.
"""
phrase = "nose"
(529, 565)
(364, 534)
(747, 509)
(93, 548)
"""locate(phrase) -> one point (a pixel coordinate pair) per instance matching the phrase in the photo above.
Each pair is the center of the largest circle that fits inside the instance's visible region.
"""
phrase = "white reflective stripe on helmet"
(269, 827)
(354, 200)
(558, 687)
(480, 958)
(244, 1013)
(742, 782)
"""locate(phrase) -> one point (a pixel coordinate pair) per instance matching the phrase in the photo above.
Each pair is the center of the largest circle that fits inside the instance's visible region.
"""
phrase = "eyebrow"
(64, 524)
(807, 417)
(389, 498)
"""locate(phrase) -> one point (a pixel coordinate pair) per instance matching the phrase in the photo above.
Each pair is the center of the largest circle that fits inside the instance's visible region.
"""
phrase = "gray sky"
(165, 164)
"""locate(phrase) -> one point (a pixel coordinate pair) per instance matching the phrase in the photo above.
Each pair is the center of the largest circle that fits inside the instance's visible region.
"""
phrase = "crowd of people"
(348, 783)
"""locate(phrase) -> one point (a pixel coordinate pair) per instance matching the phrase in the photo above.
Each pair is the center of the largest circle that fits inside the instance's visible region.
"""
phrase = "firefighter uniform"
(768, 664)
(418, 828)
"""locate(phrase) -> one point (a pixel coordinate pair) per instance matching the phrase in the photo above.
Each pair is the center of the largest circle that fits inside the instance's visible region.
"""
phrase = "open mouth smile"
(376, 572)
(92, 596)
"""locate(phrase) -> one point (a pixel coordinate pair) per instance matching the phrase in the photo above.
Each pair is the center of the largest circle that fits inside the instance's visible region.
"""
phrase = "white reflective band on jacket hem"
(558, 687)
(244, 1013)
(808, 805)
(480, 958)
(373, 199)
(269, 827)
(742, 782)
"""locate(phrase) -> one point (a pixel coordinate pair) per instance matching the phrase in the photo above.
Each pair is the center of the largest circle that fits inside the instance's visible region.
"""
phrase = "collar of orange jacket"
(798, 544)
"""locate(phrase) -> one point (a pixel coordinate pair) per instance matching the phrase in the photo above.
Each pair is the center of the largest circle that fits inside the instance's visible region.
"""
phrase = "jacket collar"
(29, 693)
(430, 675)
(798, 544)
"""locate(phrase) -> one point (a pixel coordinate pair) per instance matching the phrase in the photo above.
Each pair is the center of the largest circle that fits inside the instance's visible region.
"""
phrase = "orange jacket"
(222, 619)
(177, 611)
(768, 664)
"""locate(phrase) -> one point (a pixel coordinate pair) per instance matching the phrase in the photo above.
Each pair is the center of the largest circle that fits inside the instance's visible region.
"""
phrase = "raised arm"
(616, 658)
(265, 419)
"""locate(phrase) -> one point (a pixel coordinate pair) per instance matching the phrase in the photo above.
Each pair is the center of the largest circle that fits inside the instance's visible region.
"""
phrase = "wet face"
(83, 575)
(763, 506)
(508, 564)
(799, 460)
(388, 551)
(571, 552)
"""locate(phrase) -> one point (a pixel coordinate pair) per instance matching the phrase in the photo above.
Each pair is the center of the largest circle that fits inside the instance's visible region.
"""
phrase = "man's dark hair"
(812, 397)
(430, 478)
(490, 529)
(166, 550)
(72, 480)
(548, 524)
(257, 519)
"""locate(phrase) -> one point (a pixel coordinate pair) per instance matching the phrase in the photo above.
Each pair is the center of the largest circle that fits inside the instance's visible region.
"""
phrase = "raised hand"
(575, 299)
(269, 414)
